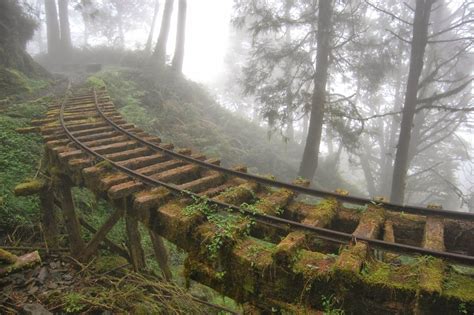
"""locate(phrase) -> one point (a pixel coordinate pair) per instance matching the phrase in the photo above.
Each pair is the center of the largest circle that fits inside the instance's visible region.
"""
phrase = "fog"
(264, 60)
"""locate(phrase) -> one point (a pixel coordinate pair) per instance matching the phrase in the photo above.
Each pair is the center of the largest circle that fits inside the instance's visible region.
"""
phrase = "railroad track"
(91, 141)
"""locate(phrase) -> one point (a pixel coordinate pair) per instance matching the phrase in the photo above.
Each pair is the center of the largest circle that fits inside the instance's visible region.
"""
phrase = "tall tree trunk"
(66, 44)
(39, 34)
(52, 26)
(418, 45)
(120, 25)
(369, 177)
(178, 58)
(309, 162)
(290, 131)
(388, 156)
(152, 28)
(305, 127)
(160, 49)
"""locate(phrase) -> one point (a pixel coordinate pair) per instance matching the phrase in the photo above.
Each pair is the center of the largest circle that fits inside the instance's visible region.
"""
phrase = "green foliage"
(226, 225)
(14, 82)
(19, 159)
(73, 302)
(95, 82)
(183, 112)
(96, 212)
(329, 303)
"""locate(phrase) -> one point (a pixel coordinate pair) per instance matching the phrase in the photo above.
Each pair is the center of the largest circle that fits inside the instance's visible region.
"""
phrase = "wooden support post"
(94, 243)
(76, 243)
(48, 218)
(134, 240)
(161, 255)
(119, 250)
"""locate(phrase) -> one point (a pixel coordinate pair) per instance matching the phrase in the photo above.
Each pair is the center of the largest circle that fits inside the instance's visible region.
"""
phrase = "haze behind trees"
(380, 89)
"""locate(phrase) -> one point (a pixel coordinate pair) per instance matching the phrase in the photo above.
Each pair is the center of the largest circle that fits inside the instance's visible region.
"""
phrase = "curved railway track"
(123, 134)
(340, 241)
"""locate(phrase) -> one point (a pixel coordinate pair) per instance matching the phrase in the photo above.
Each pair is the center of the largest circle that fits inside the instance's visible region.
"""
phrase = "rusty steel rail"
(452, 214)
(281, 223)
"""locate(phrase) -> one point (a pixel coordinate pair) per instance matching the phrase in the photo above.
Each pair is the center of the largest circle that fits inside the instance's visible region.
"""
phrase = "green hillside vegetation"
(183, 112)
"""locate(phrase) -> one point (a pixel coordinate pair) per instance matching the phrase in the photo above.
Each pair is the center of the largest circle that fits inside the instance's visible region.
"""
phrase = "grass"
(19, 161)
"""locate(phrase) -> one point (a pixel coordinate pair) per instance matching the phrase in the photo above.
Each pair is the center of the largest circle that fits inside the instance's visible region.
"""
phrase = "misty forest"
(236, 157)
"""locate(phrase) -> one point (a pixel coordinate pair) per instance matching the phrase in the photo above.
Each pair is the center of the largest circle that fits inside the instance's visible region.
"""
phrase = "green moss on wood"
(29, 188)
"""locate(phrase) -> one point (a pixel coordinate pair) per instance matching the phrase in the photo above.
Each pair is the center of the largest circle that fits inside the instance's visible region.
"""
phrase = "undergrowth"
(184, 113)
(19, 160)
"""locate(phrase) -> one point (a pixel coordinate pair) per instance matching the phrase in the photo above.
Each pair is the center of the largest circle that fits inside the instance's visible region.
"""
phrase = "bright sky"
(207, 28)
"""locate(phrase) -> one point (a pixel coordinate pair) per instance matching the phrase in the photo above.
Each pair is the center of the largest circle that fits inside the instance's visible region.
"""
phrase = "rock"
(35, 309)
(33, 290)
(67, 277)
(52, 285)
(54, 265)
(43, 274)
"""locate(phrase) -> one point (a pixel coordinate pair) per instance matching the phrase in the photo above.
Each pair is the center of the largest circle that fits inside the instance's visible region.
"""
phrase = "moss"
(30, 187)
(7, 257)
(239, 194)
(106, 263)
(106, 165)
(431, 274)
(313, 265)
(459, 286)
(14, 83)
(257, 252)
(273, 203)
(323, 212)
(19, 155)
(95, 82)
(377, 273)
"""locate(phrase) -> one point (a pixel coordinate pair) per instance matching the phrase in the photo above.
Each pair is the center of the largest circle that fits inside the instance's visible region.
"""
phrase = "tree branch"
(450, 28)
(449, 40)
(388, 13)
(437, 97)
(399, 37)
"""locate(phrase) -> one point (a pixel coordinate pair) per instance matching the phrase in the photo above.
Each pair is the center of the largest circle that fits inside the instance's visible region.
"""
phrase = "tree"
(288, 75)
(309, 162)
(413, 103)
(159, 55)
(177, 64)
(418, 45)
(52, 27)
(66, 44)
(152, 27)
(16, 29)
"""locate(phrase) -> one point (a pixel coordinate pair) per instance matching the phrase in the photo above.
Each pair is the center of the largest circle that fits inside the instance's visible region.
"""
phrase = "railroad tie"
(320, 215)
(432, 269)
(370, 224)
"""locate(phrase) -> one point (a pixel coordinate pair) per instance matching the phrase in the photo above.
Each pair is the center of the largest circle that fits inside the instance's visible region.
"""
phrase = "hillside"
(184, 113)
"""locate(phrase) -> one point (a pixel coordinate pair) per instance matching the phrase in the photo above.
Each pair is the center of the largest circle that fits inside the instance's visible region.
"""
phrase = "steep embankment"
(23, 84)
(182, 112)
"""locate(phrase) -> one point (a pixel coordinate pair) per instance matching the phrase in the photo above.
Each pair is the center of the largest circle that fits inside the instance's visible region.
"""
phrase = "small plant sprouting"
(329, 304)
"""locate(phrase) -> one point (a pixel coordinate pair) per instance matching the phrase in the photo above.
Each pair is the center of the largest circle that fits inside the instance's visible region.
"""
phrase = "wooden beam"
(76, 243)
(161, 255)
(48, 218)
(94, 243)
(134, 240)
(110, 244)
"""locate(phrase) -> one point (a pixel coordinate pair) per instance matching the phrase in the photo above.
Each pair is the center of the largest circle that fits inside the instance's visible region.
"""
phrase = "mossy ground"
(20, 155)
